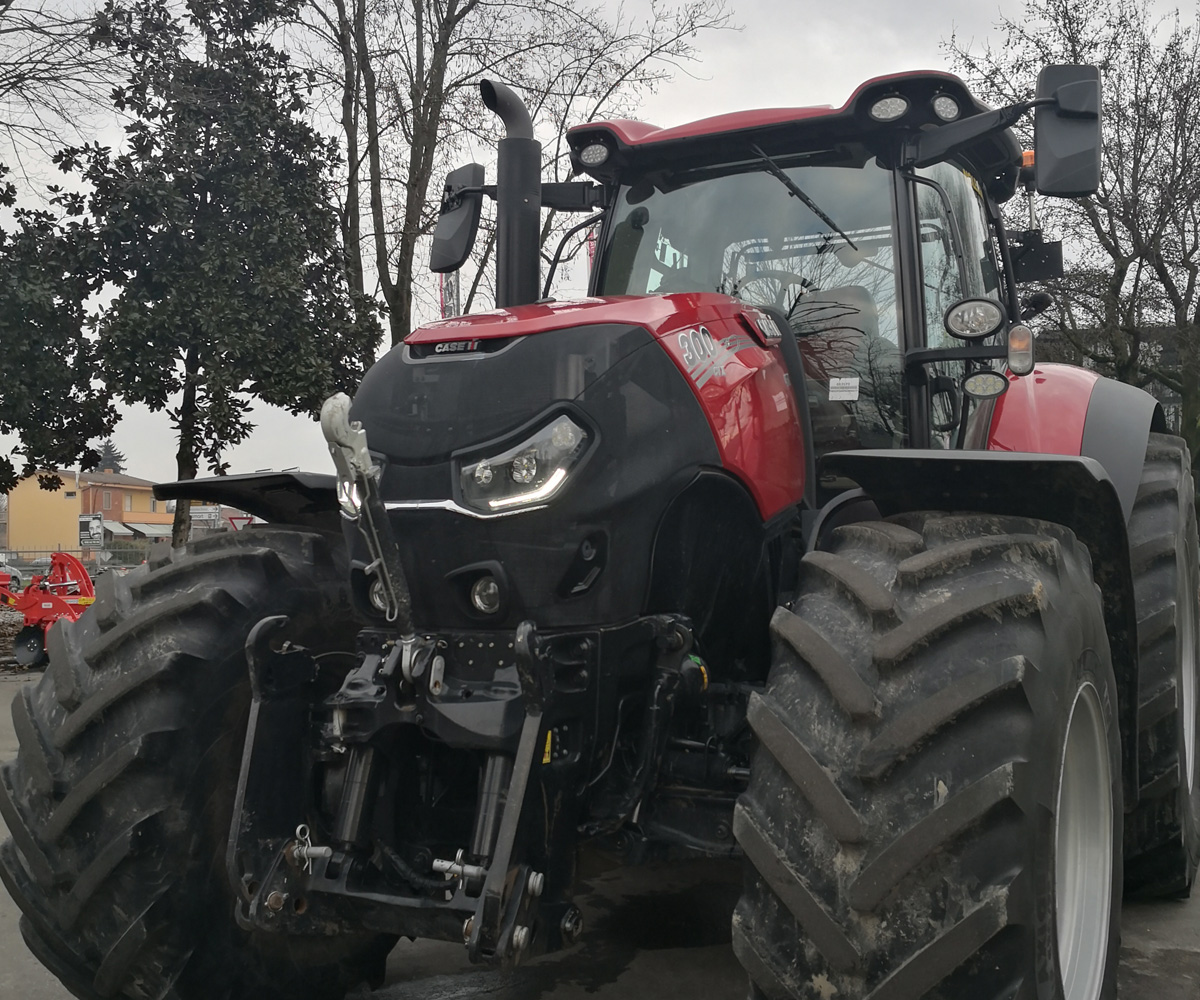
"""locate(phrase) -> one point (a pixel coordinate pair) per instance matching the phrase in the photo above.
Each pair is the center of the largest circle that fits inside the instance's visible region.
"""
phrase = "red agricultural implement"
(64, 591)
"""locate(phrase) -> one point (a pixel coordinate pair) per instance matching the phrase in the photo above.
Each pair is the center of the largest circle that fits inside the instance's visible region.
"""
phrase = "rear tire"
(935, 807)
(119, 802)
(1162, 834)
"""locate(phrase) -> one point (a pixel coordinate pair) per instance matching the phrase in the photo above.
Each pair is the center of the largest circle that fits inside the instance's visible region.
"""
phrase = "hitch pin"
(457, 867)
(304, 850)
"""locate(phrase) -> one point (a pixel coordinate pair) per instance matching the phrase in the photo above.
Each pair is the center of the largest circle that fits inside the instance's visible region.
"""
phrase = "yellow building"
(112, 511)
(44, 519)
(49, 520)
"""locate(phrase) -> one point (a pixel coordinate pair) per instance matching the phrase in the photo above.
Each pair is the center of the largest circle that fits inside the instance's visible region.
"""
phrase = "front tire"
(935, 808)
(1162, 834)
(119, 802)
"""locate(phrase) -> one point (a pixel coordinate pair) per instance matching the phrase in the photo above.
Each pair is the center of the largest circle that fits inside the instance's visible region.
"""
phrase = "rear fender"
(1074, 491)
(1066, 410)
(304, 499)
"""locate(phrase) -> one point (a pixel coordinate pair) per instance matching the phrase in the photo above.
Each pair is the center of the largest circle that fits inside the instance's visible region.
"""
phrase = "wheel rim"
(1187, 685)
(1083, 850)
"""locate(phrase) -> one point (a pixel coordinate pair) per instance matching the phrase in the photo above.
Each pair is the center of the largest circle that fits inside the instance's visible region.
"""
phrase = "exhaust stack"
(518, 199)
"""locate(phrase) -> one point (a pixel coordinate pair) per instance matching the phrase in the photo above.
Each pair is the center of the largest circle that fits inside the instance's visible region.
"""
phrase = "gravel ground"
(11, 623)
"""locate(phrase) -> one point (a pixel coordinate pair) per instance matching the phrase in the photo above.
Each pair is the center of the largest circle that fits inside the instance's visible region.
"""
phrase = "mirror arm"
(926, 148)
(452, 198)
(574, 196)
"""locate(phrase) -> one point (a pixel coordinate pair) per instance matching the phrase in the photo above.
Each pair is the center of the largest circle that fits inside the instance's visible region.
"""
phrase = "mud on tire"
(902, 820)
(1162, 834)
(119, 800)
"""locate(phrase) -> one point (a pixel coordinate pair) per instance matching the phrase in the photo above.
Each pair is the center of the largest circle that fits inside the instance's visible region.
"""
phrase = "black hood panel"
(420, 405)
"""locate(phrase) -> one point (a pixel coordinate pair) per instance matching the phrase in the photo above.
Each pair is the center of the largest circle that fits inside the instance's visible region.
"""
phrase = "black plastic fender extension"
(306, 499)
(1073, 491)
(1119, 420)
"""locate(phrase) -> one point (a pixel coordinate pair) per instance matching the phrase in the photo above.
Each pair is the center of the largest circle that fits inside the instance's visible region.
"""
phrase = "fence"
(120, 551)
(115, 555)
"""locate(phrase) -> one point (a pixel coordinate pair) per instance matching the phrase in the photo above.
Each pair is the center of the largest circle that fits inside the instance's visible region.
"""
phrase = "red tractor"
(63, 592)
(780, 544)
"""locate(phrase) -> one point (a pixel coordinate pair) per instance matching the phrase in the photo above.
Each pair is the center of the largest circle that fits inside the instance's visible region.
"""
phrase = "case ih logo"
(455, 346)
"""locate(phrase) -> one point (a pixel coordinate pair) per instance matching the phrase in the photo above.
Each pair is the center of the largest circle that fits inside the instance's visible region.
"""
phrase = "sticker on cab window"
(844, 389)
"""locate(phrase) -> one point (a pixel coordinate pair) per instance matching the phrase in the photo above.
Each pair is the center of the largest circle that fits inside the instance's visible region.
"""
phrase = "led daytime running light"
(543, 492)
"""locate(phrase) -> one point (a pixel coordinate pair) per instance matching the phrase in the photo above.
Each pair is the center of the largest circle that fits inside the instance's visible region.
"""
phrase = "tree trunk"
(185, 457)
(400, 304)
(352, 214)
(370, 103)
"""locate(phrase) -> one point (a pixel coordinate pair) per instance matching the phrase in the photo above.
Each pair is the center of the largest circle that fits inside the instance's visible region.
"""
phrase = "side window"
(957, 261)
(958, 257)
(942, 268)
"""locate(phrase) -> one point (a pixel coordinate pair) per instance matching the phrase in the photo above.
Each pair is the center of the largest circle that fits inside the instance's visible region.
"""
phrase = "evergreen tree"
(217, 228)
(112, 459)
(50, 401)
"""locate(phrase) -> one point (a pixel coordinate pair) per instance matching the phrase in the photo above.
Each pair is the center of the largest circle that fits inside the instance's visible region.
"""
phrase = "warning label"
(843, 388)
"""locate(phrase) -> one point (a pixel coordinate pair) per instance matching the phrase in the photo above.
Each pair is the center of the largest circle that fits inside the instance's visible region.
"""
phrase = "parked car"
(15, 580)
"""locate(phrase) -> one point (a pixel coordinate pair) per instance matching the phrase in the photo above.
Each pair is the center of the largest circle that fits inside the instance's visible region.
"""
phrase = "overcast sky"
(788, 53)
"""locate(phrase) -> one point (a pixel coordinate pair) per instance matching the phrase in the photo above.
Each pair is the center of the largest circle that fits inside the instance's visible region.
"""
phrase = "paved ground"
(661, 933)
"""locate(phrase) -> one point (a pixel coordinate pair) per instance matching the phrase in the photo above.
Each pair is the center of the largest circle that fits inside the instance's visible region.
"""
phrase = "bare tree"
(53, 65)
(406, 76)
(1134, 247)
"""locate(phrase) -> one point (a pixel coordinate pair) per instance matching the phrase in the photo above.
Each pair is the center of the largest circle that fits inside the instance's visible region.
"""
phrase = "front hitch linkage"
(357, 474)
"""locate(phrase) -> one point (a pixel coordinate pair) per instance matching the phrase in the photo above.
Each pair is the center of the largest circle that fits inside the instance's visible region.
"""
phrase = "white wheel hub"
(1187, 687)
(1083, 850)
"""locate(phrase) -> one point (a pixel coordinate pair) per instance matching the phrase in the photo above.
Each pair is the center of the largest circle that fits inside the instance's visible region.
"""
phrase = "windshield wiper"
(795, 192)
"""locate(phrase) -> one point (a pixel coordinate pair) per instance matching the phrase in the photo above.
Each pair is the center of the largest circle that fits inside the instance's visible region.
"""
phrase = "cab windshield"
(831, 272)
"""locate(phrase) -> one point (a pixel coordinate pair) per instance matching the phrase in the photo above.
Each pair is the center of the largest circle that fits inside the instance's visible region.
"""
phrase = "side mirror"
(1067, 131)
(458, 222)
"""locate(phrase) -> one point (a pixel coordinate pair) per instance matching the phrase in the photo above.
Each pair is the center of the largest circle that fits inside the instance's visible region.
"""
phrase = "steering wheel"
(771, 288)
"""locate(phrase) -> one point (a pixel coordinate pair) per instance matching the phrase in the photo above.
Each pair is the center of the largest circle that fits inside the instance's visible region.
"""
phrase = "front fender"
(1066, 410)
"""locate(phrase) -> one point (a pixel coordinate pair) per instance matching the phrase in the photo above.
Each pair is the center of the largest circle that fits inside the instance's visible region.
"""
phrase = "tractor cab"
(827, 217)
(859, 228)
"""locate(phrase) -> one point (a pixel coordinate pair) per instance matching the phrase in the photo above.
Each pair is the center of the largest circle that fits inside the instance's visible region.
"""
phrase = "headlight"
(945, 107)
(593, 155)
(889, 108)
(528, 474)
(985, 385)
(974, 319)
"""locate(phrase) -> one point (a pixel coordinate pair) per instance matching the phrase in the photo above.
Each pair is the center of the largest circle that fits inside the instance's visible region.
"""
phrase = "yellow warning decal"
(86, 600)
(549, 744)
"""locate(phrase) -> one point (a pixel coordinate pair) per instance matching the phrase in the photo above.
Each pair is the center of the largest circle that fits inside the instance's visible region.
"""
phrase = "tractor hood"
(460, 383)
(658, 314)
